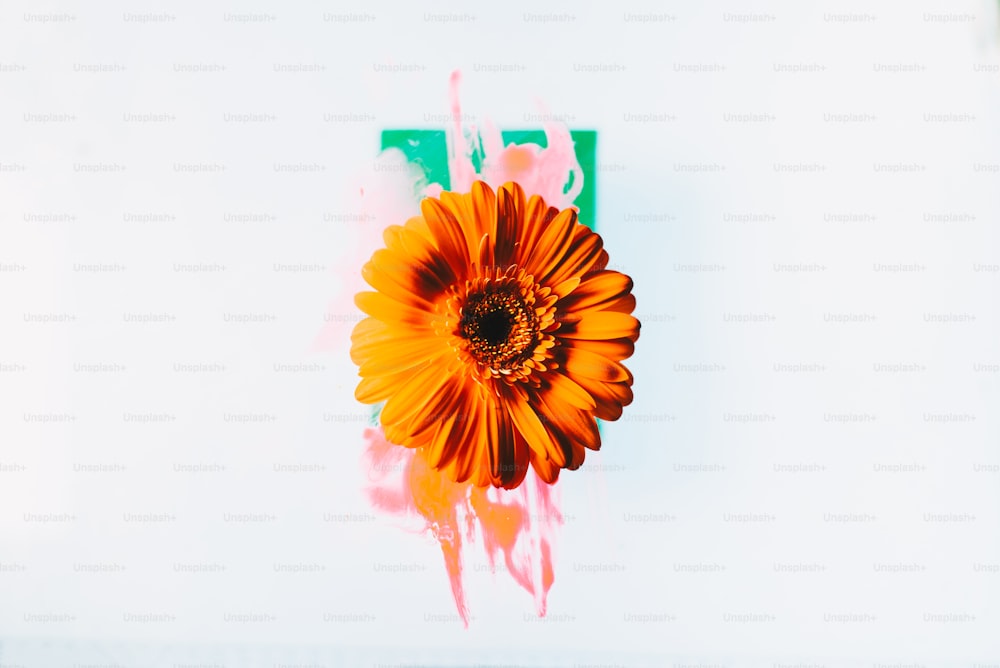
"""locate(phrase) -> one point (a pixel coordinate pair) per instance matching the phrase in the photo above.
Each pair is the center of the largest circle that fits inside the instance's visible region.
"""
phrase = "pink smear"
(540, 171)
(518, 524)
(390, 197)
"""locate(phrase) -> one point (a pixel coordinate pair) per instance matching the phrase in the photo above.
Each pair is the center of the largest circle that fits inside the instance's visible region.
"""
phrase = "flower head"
(495, 336)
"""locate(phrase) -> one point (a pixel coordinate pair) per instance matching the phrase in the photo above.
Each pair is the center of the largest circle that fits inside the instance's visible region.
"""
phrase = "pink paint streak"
(540, 171)
(390, 196)
(517, 524)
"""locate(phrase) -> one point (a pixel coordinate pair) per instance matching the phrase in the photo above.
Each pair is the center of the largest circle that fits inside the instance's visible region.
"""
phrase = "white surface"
(815, 587)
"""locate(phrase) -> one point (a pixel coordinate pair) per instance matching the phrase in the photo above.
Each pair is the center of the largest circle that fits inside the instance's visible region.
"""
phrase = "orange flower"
(496, 336)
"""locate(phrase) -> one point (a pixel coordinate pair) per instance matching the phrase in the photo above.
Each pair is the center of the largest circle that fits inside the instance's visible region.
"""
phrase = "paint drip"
(516, 525)
(552, 172)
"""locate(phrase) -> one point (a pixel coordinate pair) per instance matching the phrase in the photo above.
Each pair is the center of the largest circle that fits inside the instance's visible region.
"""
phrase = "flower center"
(500, 326)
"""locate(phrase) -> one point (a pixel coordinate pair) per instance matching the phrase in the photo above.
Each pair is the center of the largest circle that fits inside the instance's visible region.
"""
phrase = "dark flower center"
(494, 327)
(500, 326)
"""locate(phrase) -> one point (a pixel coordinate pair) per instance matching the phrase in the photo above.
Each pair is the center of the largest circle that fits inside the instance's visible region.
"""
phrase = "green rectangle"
(429, 150)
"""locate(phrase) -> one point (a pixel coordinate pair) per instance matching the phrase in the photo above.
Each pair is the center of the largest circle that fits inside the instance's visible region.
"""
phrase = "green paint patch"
(429, 150)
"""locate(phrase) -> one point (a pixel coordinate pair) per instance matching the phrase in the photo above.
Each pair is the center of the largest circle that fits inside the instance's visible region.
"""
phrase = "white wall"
(753, 396)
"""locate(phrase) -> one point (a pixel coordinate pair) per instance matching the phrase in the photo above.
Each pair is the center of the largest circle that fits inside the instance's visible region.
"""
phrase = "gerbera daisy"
(495, 336)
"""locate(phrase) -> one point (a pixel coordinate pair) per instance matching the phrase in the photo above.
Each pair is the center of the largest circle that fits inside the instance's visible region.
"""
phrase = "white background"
(814, 437)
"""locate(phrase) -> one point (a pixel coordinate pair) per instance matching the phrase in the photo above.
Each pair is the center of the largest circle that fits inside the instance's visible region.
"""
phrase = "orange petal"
(403, 354)
(412, 395)
(582, 362)
(625, 304)
(443, 447)
(566, 287)
(397, 435)
(389, 310)
(373, 389)
(572, 429)
(415, 277)
(508, 226)
(517, 196)
(545, 468)
(484, 206)
(526, 421)
(370, 329)
(600, 263)
(381, 343)
(534, 220)
(568, 390)
(516, 192)
(610, 397)
(598, 289)
(613, 349)
(622, 392)
(391, 236)
(417, 247)
(472, 439)
(491, 455)
(424, 423)
(394, 285)
(447, 233)
(579, 258)
(577, 426)
(486, 251)
(600, 325)
(548, 251)
(507, 452)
